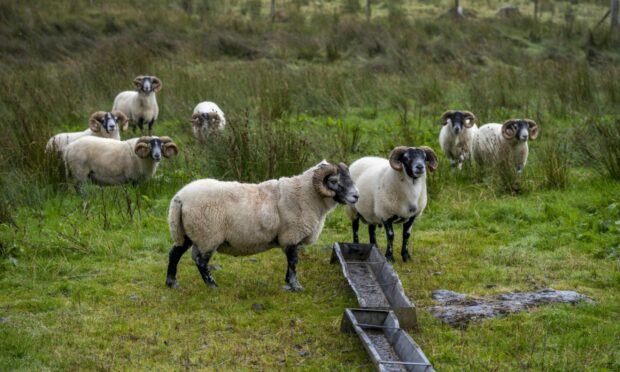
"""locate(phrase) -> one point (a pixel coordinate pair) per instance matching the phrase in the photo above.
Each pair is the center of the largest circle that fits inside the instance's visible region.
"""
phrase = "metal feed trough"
(389, 346)
(374, 281)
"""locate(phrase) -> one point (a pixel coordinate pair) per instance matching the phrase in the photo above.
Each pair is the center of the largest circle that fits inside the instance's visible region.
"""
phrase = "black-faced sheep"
(391, 191)
(207, 118)
(243, 219)
(101, 124)
(494, 142)
(140, 106)
(457, 135)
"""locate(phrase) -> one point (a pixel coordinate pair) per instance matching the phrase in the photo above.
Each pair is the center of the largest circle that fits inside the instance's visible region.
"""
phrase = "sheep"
(110, 162)
(242, 219)
(141, 106)
(457, 135)
(493, 141)
(391, 191)
(110, 122)
(207, 118)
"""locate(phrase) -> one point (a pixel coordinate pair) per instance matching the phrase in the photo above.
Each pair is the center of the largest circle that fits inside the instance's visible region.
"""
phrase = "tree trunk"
(368, 10)
(273, 10)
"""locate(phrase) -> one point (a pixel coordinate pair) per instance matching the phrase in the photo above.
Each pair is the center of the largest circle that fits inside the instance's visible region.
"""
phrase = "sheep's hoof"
(406, 257)
(389, 258)
(212, 284)
(172, 283)
(293, 287)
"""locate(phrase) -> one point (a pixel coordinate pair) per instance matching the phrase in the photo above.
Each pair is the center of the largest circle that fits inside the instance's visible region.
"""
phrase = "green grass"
(82, 278)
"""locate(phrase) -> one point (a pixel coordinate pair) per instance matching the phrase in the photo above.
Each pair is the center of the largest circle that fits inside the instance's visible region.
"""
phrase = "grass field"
(82, 278)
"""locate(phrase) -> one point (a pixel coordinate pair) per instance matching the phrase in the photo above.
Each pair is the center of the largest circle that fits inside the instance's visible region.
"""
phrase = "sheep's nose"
(355, 197)
(419, 167)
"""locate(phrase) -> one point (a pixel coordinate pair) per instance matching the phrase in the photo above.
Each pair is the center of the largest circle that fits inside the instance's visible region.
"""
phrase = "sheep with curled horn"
(243, 219)
(207, 118)
(140, 106)
(457, 135)
(109, 162)
(391, 191)
(494, 142)
(101, 124)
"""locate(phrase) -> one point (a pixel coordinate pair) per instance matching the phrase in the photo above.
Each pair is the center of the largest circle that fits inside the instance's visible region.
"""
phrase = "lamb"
(494, 141)
(110, 122)
(242, 219)
(457, 135)
(391, 191)
(110, 162)
(141, 106)
(207, 118)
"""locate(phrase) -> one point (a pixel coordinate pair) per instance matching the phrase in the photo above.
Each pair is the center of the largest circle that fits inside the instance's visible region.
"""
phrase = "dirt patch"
(458, 309)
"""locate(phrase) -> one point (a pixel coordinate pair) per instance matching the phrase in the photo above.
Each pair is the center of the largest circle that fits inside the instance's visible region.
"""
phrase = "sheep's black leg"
(202, 263)
(291, 271)
(356, 226)
(390, 239)
(174, 256)
(140, 125)
(406, 233)
(371, 234)
(151, 127)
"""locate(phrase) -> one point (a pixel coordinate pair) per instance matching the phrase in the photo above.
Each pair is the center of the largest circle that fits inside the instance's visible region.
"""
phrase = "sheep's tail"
(175, 222)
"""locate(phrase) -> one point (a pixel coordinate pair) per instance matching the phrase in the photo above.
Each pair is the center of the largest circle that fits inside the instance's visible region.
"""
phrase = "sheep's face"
(412, 160)
(209, 120)
(147, 84)
(109, 122)
(155, 147)
(458, 120)
(342, 185)
(520, 129)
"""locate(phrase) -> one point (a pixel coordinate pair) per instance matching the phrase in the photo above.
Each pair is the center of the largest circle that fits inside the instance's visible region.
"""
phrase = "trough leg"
(390, 240)
(291, 271)
(174, 256)
(406, 234)
(150, 132)
(371, 234)
(356, 226)
(202, 263)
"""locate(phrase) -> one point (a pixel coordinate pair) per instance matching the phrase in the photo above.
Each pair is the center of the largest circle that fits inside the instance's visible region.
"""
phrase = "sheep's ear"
(470, 119)
(137, 82)
(395, 157)
(156, 84)
(196, 119)
(318, 179)
(94, 123)
(122, 118)
(431, 158)
(170, 148)
(445, 116)
(508, 129)
(143, 147)
(533, 128)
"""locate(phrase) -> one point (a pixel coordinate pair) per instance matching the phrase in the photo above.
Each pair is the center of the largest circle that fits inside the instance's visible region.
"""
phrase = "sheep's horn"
(170, 148)
(156, 84)
(196, 119)
(94, 123)
(470, 119)
(318, 179)
(143, 147)
(508, 130)
(533, 128)
(122, 118)
(395, 155)
(431, 158)
(445, 116)
(138, 81)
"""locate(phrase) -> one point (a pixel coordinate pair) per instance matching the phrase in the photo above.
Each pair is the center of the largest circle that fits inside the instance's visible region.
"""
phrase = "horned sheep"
(207, 118)
(101, 124)
(110, 162)
(244, 219)
(140, 106)
(391, 191)
(457, 135)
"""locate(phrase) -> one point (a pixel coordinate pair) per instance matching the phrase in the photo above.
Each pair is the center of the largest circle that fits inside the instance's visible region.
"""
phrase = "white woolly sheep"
(391, 191)
(140, 106)
(243, 219)
(110, 162)
(101, 124)
(457, 136)
(207, 118)
(494, 142)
